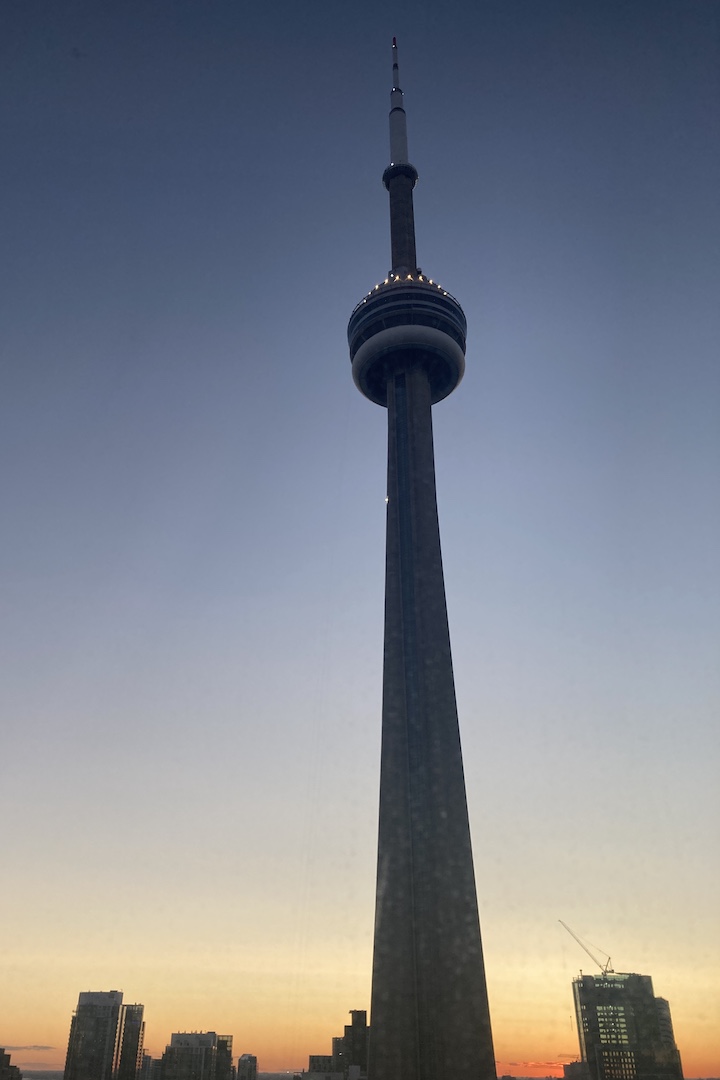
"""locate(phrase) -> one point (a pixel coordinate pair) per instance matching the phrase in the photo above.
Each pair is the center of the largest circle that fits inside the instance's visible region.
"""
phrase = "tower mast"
(400, 178)
(429, 1011)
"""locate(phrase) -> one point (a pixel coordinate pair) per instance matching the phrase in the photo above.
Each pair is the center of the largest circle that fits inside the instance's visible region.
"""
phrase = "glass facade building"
(106, 1038)
(625, 1032)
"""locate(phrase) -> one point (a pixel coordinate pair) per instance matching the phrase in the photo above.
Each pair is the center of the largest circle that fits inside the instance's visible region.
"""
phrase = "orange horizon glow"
(287, 995)
(288, 1052)
(269, 1063)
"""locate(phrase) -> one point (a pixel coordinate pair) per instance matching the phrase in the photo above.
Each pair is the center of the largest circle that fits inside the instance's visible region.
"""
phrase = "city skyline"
(194, 511)
(639, 1022)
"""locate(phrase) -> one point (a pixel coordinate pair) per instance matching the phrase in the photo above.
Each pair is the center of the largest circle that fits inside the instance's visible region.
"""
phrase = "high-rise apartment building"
(92, 1045)
(131, 1038)
(429, 1008)
(625, 1031)
(106, 1038)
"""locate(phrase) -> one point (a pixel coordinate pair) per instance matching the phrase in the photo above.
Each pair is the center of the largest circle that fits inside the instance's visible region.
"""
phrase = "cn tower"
(429, 1010)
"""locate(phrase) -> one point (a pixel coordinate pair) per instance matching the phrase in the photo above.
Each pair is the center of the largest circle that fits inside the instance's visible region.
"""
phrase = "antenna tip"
(394, 43)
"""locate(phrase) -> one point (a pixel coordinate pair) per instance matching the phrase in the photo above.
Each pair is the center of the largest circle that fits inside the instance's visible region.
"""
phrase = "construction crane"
(606, 968)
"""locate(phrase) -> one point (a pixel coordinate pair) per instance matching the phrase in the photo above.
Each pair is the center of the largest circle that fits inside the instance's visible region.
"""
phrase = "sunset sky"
(193, 501)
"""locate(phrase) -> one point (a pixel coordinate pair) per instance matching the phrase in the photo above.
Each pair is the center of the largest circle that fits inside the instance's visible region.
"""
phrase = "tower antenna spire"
(398, 119)
(400, 178)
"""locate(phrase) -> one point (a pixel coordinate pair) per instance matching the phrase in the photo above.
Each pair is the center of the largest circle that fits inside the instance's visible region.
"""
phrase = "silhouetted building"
(574, 1070)
(321, 1063)
(106, 1038)
(338, 1054)
(429, 1011)
(355, 1040)
(196, 1055)
(8, 1071)
(625, 1031)
(247, 1067)
(92, 1045)
(150, 1068)
(224, 1069)
(131, 1036)
(349, 1052)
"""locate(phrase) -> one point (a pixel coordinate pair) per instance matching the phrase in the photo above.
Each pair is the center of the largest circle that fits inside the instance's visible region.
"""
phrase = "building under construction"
(625, 1031)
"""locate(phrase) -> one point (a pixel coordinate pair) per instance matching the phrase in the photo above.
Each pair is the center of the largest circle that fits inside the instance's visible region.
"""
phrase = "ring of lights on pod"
(401, 315)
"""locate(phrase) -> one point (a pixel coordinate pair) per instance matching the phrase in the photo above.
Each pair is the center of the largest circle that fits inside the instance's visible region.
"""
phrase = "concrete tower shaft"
(429, 1010)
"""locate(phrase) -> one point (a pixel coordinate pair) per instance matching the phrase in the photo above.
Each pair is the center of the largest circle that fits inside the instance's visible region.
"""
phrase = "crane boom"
(606, 968)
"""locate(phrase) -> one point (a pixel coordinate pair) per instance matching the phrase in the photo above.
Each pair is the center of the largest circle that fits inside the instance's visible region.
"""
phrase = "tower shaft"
(400, 178)
(402, 222)
(429, 1014)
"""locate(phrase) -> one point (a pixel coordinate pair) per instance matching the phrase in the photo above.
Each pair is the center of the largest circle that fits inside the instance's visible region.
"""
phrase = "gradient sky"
(191, 567)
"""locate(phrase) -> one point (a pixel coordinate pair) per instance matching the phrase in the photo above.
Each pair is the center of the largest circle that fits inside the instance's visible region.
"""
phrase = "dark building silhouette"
(429, 1010)
(575, 1070)
(131, 1037)
(338, 1053)
(224, 1058)
(625, 1031)
(247, 1067)
(320, 1063)
(190, 1056)
(8, 1071)
(92, 1045)
(349, 1051)
(356, 1039)
(197, 1055)
(106, 1038)
(150, 1068)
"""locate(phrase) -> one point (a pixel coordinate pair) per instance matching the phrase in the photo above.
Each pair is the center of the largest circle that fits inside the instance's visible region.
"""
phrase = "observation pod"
(404, 319)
